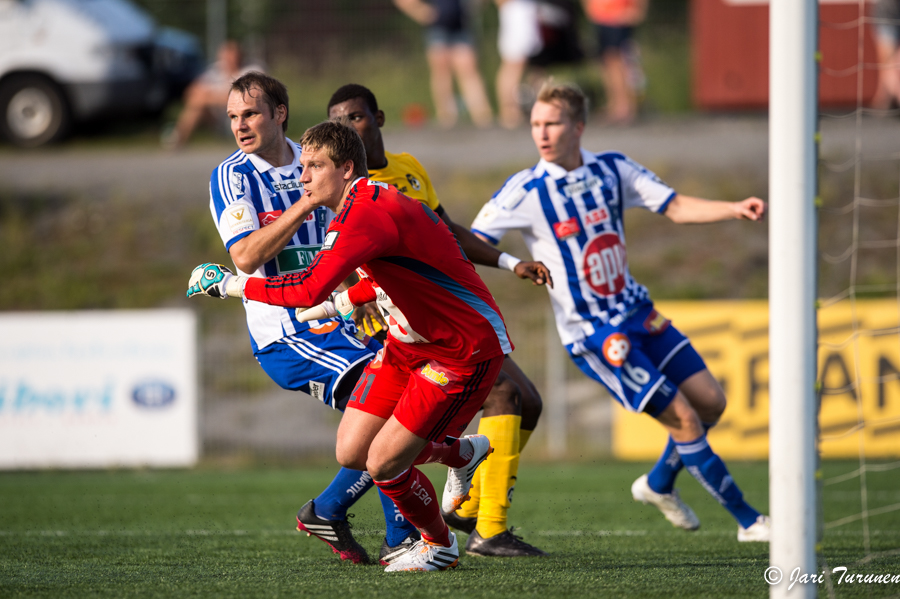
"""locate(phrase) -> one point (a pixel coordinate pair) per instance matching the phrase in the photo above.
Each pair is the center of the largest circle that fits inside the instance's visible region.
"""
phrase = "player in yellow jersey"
(512, 409)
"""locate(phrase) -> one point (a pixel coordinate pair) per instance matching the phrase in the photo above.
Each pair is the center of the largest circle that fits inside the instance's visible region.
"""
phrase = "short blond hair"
(569, 95)
(340, 142)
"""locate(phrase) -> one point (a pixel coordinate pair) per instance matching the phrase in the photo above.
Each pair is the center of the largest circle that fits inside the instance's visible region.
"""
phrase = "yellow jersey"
(411, 179)
(405, 173)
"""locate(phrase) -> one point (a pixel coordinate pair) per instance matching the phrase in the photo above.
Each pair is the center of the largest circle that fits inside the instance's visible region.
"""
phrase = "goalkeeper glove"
(339, 304)
(215, 280)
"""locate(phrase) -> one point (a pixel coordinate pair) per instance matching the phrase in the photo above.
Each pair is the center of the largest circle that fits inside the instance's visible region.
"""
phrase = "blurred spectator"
(450, 50)
(887, 41)
(558, 26)
(206, 96)
(614, 22)
(518, 39)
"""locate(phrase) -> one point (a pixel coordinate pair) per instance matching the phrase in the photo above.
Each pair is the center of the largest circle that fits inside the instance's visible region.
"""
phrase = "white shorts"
(519, 37)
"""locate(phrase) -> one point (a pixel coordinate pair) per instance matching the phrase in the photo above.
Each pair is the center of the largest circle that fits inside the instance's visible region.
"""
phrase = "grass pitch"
(230, 533)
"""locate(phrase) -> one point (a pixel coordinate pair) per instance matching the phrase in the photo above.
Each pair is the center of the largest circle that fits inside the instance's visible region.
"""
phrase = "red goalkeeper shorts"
(430, 399)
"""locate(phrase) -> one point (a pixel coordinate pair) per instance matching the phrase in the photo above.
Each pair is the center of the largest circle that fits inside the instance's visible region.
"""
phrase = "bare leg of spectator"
(465, 65)
(439, 61)
(509, 76)
(621, 104)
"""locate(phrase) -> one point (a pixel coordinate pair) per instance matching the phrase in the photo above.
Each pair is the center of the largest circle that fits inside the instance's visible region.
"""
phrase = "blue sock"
(398, 527)
(346, 488)
(710, 471)
(662, 477)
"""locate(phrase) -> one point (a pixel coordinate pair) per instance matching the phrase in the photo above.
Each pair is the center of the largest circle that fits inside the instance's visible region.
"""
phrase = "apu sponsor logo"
(379, 184)
(434, 376)
(267, 218)
(604, 264)
(567, 228)
(289, 185)
(24, 397)
(153, 394)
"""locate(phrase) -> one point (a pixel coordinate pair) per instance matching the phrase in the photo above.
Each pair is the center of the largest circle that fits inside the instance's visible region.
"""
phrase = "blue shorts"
(319, 361)
(613, 38)
(437, 36)
(641, 361)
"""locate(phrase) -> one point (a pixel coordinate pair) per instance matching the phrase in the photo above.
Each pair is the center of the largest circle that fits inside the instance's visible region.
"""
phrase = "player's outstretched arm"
(480, 252)
(687, 209)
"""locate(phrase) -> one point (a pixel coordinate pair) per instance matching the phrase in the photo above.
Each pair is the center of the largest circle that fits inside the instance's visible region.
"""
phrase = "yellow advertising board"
(858, 374)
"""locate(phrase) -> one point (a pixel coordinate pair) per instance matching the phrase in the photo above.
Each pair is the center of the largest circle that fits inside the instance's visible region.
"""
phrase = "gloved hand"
(338, 304)
(215, 280)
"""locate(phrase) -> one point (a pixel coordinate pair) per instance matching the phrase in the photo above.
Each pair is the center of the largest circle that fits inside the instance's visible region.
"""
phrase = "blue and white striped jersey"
(246, 194)
(572, 222)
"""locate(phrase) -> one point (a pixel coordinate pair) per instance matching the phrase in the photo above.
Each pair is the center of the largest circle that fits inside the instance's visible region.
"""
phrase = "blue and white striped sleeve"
(507, 210)
(641, 187)
(231, 204)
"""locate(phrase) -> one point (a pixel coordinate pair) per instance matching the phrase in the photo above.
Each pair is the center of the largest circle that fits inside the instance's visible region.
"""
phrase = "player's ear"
(348, 168)
(280, 113)
(379, 118)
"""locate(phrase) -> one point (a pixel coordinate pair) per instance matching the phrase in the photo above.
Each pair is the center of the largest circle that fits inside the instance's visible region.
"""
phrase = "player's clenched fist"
(215, 280)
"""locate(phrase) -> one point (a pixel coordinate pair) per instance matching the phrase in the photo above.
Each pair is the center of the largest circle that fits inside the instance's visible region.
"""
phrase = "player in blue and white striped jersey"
(569, 208)
(253, 200)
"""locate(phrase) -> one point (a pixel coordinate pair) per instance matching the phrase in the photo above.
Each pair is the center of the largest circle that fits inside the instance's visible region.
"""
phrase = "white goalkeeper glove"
(215, 280)
(339, 304)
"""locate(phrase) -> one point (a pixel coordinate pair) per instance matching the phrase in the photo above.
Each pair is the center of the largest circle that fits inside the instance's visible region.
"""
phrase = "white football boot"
(459, 480)
(670, 504)
(423, 556)
(760, 531)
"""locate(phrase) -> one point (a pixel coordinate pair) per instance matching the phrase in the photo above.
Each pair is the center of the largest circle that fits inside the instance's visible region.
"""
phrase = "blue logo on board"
(153, 394)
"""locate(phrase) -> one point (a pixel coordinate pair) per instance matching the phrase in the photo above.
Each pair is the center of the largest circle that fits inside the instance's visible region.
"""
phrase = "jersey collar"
(263, 166)
(558, 172)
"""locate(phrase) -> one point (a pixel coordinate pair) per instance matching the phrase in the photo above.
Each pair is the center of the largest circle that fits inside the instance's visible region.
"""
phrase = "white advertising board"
(98, 389)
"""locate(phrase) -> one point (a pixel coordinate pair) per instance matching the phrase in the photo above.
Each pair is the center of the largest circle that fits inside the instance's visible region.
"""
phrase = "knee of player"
(504, 398)
(350, 459)
(532, 405)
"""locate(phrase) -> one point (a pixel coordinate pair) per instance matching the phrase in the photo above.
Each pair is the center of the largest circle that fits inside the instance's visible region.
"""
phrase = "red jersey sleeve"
(347, 245)
(362, 292)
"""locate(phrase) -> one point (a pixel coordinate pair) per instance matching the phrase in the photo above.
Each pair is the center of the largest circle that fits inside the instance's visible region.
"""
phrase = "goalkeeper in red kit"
(434, 372)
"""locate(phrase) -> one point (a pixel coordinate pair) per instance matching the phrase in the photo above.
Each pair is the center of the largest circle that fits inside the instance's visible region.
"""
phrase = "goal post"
(793, 93)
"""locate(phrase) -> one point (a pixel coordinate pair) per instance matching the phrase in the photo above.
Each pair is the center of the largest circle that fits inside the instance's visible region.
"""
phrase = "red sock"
(441, 453)
(414, 496)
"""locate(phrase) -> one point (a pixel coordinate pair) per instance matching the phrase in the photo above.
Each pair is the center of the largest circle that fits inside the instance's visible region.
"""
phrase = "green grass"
(229, 533)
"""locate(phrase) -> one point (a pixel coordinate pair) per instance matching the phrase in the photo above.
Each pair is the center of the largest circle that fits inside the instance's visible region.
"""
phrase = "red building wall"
(730, 54)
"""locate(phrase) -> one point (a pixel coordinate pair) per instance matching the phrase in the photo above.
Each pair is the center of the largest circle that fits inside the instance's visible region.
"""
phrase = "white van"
(65, 61)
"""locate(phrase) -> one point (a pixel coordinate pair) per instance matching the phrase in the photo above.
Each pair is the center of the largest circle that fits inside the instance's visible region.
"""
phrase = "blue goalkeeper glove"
(215, 280)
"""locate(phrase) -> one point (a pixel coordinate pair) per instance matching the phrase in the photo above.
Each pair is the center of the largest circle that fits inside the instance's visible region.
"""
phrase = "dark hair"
(340, 142)
(274, 92)
(352, 91)
(570, 95)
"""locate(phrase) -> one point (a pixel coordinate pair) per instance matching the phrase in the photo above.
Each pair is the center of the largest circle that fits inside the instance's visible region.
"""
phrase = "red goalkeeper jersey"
(410, 253)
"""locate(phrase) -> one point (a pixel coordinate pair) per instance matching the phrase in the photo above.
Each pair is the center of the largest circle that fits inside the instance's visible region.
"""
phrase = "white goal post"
(793, 93)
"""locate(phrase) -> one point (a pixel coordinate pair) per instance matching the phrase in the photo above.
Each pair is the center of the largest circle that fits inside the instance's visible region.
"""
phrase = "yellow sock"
(470, 508)
(524, 436)
(498, 472)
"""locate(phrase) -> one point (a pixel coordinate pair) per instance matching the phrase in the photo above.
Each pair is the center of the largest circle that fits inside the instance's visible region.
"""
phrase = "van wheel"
(33, 111)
